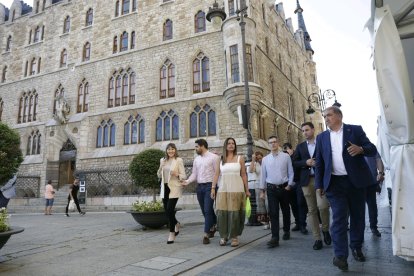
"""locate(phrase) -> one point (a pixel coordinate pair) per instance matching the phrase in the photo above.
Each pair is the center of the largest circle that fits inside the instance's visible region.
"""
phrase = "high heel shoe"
(177, 228)
(171, 238)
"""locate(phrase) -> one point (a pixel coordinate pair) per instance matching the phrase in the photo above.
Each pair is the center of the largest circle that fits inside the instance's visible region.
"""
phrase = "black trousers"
(278, 195)
(371, 198)
(169, 207)
(75, 199)
(253, 204)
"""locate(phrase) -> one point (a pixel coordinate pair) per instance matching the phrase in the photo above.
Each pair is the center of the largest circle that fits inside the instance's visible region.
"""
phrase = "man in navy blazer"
(343, 174)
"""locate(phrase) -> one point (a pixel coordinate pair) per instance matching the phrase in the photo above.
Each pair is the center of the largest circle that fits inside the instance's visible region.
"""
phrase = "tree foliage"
(10, 153)
(143, 169)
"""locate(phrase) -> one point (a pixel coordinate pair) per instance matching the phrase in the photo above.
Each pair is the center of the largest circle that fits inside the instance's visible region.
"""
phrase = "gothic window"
(249, 61)
(168, 30)
(134, 5)
(13, 15)
(167, 126)
(66, 25)
(122, 88)
(261, 125)
(33, 66)
(105, 136)
(89, 17)
(125, 6)
(37, 34)
(30, 36)
(28, 107)
(1, 108)
(291, 107)
(264, 12)
(202, 122)
(115, 45)
(116, 8)
(231, 8)
(44, 5)
(63, 58)
(60, 91)
(167, 79)
(134, 130)
(124, 41)
(83, 97)
(38, 65)
(267, 45)
(234, 59)
(200, 22)
(37, 7)
(86, 52)
(33, 143)
(201, 74)
(26, 67)
(8, 43)
(3, 75)
(133, 40)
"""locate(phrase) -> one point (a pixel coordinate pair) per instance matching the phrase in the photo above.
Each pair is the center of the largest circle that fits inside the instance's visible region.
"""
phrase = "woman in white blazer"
(171, 172)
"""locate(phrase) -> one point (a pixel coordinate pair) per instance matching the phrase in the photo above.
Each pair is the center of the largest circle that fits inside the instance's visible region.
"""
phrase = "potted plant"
(143, 170)
(5, 230)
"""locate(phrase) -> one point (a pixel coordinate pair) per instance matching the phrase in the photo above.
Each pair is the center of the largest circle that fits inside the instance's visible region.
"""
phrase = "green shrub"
(4, 225)
(10, 153)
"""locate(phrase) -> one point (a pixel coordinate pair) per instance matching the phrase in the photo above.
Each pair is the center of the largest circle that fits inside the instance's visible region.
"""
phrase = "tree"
(143, 169)
(10, 153)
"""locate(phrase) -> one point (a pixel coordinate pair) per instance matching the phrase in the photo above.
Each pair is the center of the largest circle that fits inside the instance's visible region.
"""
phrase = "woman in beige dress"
(171, 172)
(231, 194)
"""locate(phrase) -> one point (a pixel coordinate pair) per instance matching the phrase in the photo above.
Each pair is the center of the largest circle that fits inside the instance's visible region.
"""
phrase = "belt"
(278, 186)
(340, 176)
(205, 183)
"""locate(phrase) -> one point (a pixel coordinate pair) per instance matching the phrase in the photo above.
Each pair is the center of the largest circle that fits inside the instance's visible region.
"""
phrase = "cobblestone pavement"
(114, 244)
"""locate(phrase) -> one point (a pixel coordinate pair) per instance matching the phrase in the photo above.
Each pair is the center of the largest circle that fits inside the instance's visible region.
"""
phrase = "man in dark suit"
(304, 163)
(342, 172)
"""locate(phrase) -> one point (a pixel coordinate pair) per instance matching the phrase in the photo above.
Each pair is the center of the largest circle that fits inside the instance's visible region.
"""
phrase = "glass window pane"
(193, 125)
(38, 144)
(167, 128)
(212, 123)
(142, 131)
(134, 134)
(175, 127)
(126, 134)
(99, 137)
(203, 124)
(105, 136)
(158, 133)
(112, 135)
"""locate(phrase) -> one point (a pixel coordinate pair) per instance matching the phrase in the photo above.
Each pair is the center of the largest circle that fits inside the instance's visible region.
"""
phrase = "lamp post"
(241, 14)
(320, 98)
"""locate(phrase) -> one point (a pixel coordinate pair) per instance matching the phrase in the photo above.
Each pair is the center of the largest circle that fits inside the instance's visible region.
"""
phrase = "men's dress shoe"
(358, 255)
(304, 231)
(272, 243)
(296, 228)
(375, 232)
(340, 263)
(206, 240)
(327, 237)
(212, 232)
(286, 236)
(318, 245)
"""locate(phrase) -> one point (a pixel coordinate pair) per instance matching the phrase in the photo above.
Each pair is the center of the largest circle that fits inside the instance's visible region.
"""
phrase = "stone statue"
(62, 109)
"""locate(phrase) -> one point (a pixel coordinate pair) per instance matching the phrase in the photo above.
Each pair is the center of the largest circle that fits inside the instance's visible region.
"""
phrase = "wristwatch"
(381, 173)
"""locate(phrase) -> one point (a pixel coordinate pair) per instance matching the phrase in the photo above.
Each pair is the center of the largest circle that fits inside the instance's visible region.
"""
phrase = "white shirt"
(253, 177)
(338, 166)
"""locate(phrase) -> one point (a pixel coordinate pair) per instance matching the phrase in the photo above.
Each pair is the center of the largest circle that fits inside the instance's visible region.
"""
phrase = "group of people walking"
(329, 172)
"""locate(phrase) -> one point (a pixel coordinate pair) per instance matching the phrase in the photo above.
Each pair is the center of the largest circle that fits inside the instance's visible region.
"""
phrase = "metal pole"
(242, 24)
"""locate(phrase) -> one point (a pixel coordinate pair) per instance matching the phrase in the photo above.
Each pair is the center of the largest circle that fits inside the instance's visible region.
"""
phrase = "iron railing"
(27, 186)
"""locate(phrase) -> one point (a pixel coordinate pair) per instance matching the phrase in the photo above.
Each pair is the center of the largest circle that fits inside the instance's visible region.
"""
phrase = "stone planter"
(5, 236)
(153, 220)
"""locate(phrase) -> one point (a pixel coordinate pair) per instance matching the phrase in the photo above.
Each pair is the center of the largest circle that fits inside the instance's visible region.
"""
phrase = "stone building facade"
(89, 84)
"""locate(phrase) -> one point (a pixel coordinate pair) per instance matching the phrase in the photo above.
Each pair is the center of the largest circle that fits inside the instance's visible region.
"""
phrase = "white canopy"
(392, 30)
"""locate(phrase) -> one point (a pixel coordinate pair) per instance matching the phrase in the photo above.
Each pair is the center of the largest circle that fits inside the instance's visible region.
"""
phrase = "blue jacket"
(356, 167)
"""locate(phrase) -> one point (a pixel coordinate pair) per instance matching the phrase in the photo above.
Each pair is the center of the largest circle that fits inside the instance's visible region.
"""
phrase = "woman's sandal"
(177, 228)
(223, 242)
(234, 242)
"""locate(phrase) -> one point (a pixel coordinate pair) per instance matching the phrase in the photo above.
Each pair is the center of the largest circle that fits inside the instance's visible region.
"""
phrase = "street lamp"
(241, 14)
(320, 98)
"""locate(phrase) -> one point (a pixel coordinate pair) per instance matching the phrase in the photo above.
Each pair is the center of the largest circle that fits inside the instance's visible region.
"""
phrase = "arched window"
(121, 88)
(28, 107)
(133, 40)
(125, 6)
(37, 34)
(8, 43)
(37, 6)
(3, 75)
(30, 36)
(168, 30)
(33, 143)
(63, 58)
(167, 126)
(200, 22)
(234, 62)
(38, 65)
(26, 67)
(134, 5)
(231, 8)
(13, 15)
(83, 97)
(66, 25)
(201, 74)
(124, 41)
(60, 91)
(202, 122)
(105, 136)
(89, 17)
(134, 130)
(115, 45)
(167, 80)
(33, 66)
(1, 108)
(117, 8)
(86, 52)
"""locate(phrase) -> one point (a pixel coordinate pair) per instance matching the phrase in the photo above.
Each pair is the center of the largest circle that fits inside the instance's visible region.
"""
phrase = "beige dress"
(231, 201)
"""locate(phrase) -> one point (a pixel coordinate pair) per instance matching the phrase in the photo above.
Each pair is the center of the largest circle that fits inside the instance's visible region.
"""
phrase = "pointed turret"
(301, 25)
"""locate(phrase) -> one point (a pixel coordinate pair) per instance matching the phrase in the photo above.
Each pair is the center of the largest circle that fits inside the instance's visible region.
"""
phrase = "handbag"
(71, 205)
(248, 208)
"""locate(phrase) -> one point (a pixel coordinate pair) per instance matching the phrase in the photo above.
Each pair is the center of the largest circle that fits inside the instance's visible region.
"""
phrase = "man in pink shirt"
(205, 166)
(50, 197)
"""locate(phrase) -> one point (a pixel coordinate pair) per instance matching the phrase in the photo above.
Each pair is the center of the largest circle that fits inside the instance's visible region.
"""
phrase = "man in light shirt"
(343, 174)
(276, 179)
(205, 166)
